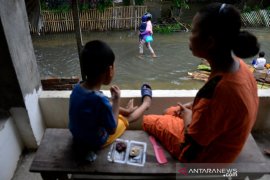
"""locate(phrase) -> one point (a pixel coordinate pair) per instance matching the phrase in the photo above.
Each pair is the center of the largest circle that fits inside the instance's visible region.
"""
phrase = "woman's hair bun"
(246, 45)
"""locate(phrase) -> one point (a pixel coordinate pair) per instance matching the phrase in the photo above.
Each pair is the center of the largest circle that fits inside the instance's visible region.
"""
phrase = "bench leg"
(54, 176)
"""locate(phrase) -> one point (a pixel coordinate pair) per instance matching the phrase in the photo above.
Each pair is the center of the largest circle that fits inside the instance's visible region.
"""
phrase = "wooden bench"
(55, 159)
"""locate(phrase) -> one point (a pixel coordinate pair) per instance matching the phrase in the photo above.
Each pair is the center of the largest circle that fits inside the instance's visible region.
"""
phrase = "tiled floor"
(22, 172)
(263, 141)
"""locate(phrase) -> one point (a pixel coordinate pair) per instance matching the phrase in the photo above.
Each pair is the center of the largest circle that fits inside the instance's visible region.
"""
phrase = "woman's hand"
(185, 113)
(188, 105)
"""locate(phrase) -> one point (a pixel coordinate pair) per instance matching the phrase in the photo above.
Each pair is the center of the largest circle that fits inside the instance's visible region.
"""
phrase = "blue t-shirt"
(90, 117)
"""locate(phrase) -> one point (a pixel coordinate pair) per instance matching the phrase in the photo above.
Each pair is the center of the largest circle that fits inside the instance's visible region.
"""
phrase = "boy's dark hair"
(96, 56)
(223, 23)
(261, 54)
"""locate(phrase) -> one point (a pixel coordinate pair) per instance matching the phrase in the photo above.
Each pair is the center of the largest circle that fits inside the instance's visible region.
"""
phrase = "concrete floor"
(22, 172)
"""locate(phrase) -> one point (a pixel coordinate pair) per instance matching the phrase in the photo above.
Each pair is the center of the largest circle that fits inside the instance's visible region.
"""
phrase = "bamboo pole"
(78, 32)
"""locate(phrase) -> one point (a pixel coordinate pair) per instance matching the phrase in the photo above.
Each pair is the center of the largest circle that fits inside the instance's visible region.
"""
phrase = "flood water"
(57, 55)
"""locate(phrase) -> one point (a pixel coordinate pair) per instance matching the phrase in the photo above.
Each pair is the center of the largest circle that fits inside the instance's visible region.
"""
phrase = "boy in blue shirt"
(94, 121)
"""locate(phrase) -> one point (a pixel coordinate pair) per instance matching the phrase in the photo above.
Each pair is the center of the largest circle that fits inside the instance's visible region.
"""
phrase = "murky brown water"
(57, 56)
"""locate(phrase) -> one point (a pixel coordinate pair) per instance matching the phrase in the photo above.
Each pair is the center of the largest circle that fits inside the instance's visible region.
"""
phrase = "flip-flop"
(146, 90)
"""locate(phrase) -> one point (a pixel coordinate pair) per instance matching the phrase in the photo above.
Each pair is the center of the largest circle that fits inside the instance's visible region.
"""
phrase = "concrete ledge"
(54, 105)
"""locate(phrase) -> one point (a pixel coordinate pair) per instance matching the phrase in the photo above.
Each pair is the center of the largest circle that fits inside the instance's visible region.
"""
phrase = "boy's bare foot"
(140, 56)
(267, 152)
(154, 55)
(147, 101)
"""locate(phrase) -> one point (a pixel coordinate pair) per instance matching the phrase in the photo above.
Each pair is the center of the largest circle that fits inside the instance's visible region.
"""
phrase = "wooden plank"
(55, 158)
(55, 154)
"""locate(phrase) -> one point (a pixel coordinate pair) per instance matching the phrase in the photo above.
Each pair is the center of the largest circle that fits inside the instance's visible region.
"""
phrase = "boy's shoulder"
(100, 94)
(88, 92)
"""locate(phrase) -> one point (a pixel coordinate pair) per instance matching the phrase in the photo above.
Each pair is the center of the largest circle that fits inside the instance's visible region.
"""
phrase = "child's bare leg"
(146, 92)
(148, 45)
(135, 115)
(141, 47)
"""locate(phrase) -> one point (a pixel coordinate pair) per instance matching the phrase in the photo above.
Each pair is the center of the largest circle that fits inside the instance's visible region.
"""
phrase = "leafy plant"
(247, 9)
(139, 2)
(181, 4)
(103, 4)
(126, 2)
(84, 7)
(65, 5)
(169, 28)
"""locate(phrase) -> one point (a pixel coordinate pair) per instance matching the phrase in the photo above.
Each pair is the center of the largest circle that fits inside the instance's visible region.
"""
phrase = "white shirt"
(260, 62)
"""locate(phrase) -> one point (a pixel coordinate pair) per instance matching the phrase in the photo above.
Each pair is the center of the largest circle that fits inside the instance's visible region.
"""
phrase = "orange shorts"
(167, 128)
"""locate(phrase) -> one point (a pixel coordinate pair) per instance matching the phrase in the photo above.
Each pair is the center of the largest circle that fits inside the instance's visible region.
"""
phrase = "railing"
(124, 17)
(260, 18)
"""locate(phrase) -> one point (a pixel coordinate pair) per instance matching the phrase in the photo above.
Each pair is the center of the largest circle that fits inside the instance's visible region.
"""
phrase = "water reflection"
(57, 56)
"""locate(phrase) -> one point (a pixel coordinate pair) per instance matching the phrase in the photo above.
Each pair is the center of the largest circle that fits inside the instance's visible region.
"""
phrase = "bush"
(65, 5)
(169, 28)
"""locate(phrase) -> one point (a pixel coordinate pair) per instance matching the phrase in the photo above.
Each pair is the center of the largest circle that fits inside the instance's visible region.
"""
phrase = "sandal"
(146, 90)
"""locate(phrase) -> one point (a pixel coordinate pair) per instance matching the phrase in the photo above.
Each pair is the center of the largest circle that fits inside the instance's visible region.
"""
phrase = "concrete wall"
(20, 116)
(11, 146)
(20, 81)
(54, 105)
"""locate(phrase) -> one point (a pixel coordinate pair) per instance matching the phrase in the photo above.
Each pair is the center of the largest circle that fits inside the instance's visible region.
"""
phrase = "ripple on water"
(57, 56)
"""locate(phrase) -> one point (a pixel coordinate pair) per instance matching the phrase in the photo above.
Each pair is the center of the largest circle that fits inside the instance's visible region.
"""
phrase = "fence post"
(78, 32)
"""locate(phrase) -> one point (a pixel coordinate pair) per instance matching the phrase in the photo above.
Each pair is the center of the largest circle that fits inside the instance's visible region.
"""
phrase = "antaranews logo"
(220, 170)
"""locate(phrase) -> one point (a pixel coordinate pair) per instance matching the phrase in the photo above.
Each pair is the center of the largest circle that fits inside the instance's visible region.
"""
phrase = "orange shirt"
(224, 112)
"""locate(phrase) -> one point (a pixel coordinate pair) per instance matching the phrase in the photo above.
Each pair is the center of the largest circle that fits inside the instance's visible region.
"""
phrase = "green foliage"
(248, 9)
(63, 7)
(103, 4)
(43, 5)
(139, 2)
(126, 2)
(84, 7)
(167, 28)
(256, 8)
(180, 4)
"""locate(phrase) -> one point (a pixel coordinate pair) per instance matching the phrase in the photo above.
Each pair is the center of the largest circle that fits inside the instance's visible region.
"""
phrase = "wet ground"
(57, 56)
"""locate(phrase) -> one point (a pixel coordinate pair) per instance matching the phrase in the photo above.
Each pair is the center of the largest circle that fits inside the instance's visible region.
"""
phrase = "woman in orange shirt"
(214, 128)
